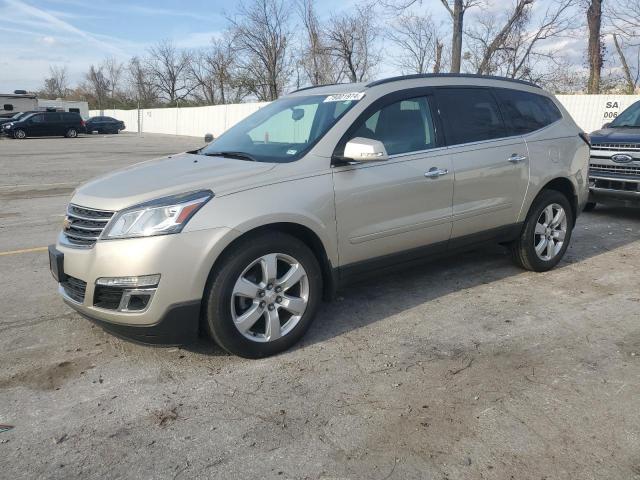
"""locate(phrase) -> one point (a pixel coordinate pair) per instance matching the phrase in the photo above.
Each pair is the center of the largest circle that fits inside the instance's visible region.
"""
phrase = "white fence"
(190, 121)
(589, 111)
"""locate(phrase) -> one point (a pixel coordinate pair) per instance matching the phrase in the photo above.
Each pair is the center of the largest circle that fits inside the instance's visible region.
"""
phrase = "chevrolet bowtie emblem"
(66, 223)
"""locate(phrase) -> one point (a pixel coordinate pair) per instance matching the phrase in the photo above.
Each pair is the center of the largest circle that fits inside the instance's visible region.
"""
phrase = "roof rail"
(447, 75)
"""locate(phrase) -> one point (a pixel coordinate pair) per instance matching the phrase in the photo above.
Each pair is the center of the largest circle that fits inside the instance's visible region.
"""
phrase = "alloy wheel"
(550, 232)
(270, 297)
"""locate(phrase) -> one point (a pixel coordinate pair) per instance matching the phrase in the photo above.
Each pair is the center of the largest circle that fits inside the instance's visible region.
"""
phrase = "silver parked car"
(244, 237)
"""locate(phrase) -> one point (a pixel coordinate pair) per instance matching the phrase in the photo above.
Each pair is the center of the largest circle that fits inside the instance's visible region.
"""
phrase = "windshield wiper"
(622, 125)
(240, 155)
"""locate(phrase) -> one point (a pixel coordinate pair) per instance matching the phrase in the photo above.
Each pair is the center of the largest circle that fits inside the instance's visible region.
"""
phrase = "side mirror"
(362, 149)
(606, 125)
(208, 137)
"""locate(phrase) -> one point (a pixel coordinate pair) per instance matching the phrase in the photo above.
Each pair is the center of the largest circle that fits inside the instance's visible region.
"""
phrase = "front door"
(387, 207)
(36, 126)
(491, 167)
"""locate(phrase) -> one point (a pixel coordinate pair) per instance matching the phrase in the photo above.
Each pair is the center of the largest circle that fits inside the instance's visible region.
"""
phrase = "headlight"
(158, 217)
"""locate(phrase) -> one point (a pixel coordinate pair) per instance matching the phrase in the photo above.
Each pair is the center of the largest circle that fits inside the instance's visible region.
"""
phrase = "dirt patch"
(51, 377)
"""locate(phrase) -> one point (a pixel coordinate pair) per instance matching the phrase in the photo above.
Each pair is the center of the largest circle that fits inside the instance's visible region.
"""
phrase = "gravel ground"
(467, 368)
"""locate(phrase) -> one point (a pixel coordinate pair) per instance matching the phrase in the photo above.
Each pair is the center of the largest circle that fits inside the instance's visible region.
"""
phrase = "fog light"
(130, 282)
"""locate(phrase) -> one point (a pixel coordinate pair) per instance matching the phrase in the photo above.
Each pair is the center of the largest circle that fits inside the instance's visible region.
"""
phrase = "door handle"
(515, 158)
(435, 172)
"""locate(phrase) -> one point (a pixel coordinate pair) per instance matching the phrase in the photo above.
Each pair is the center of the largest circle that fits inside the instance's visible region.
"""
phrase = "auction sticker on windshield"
(344, 97)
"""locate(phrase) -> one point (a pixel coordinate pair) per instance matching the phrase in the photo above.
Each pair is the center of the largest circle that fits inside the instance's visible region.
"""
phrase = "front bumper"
(183, 261)
(616, 189)
(178, 326)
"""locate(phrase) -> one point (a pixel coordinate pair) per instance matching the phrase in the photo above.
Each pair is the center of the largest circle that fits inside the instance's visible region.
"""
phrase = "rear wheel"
(546, 233)
(263, 296)
(590, 206)
(71, 133)
(19, 134)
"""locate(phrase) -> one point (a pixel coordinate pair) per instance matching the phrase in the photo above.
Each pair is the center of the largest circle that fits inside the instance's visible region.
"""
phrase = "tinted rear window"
(70, 117)
(526, 112)
(52, 117)
(471, 115)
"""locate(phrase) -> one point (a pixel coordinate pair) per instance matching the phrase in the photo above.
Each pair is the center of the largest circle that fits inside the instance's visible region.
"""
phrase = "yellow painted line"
(24, 250)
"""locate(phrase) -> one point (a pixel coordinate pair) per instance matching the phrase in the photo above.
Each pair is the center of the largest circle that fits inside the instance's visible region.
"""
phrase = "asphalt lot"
(467, 368)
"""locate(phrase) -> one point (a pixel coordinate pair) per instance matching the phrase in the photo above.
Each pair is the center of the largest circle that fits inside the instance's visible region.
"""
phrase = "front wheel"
(263, 296)
(19, 134)
(546, 233)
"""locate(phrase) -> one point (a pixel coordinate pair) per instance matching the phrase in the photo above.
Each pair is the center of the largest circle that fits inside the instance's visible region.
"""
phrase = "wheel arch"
(303, 233)
(564, 186)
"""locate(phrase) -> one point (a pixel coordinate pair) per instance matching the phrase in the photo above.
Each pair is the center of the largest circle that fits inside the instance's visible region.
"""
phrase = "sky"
(76, 33)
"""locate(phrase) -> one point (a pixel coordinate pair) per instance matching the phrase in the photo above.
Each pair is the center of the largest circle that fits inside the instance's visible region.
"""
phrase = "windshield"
(284, 130)
(629, 118)
(17, 115)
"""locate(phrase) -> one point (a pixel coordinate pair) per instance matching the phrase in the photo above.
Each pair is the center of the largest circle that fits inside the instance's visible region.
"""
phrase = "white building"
(65, 106)
(18, 101)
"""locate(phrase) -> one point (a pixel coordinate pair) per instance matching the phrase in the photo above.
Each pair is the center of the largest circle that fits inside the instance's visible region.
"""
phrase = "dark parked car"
(614, 169)
(15, 117)
(43, 124)
(104, 125)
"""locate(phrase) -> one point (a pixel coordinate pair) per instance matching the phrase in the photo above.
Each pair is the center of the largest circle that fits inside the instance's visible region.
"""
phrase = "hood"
(170, 175)
(616, 135)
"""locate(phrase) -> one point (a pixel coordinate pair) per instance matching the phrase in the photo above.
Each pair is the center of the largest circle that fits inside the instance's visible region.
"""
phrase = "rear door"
(383, 208)
(491, 167)
(53, 124)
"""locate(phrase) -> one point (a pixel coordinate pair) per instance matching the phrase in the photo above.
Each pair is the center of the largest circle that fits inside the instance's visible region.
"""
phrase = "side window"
(526, 112)
(37, 119)
(404, 126)
(471, 115)
(74, 110)
(8, 107)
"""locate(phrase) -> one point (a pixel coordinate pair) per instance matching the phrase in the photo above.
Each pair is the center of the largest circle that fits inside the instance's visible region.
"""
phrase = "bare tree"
(457, 11)
(490, 48)
(167, 68)
(214, 70)
(515, 47)
(418, 43)
(113, 70)
(437, 64)
(595, 48)
(352, 40)
(97, 85)
(56, 85)
(141, 84)
(261, 33)
(318, 65)
(631, 80)
(623, 22)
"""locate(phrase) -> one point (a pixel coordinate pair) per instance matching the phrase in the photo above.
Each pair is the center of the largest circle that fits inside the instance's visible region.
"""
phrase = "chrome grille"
(616, 146)
(595, 169)
(84, 225)
(75, 288)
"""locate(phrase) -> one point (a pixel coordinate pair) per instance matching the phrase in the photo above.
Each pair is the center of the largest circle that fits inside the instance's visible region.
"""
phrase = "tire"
(523, 249)
(71, 133)
(264, 303)
(590, 206)
(19, 134)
